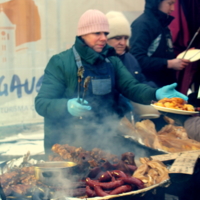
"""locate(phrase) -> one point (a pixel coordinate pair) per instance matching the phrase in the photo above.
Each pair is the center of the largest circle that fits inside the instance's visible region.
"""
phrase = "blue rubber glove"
(169, 91)
(76, 109)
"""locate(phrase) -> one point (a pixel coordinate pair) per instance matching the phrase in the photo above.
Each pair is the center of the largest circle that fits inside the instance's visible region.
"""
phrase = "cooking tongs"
(85, 85)
(80, 77)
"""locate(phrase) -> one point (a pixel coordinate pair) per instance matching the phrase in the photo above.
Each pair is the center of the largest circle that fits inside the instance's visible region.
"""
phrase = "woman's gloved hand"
(76, 109)
(169, 91)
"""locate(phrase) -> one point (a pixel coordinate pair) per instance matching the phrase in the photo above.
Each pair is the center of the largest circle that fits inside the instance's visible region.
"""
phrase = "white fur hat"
(118, 24)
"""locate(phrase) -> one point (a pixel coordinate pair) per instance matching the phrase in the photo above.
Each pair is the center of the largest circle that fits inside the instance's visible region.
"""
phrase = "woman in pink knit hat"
(79, 96)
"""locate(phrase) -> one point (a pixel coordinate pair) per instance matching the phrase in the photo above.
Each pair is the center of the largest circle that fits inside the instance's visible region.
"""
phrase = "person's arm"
(141, 39)
(129, 86)
(150, 83)
(177, 64)
(49, 101)
(138, 92)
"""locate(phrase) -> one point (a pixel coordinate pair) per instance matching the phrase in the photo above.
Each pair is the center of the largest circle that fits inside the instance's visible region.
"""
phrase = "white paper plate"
(175, 111)
(192, 55)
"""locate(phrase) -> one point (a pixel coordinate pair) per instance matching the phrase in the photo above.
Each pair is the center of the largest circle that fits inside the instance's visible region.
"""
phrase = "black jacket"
(146, 28)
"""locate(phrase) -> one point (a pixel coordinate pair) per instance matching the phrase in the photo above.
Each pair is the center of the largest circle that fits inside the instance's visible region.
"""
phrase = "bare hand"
(178, 64)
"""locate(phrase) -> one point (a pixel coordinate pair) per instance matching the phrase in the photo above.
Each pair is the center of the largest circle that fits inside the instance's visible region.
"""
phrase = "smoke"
(105, 135)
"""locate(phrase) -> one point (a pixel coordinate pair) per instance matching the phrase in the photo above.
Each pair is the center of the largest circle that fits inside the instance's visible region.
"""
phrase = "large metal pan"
(51, 173)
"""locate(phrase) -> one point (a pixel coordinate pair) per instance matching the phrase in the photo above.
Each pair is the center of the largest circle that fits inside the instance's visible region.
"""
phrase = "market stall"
(76, 173)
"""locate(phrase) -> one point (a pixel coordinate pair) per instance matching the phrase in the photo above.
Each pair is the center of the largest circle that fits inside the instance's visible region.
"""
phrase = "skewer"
(85, 85)
(197, 32)
(80, 76)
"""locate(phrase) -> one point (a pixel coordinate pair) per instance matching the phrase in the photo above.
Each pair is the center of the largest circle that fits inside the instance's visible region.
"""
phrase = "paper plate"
(175, 111)
(192, 55)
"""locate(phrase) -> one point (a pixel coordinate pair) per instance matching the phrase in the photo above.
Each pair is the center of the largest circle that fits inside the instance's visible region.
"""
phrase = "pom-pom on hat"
(118, 24)
(92, 21)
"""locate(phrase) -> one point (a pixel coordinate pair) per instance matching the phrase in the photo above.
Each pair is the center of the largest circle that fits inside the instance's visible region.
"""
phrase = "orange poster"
(31, 31)
(24, 14)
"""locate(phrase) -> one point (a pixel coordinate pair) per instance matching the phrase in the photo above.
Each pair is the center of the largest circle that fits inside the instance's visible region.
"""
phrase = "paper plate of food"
(192, 55)
(174, 105)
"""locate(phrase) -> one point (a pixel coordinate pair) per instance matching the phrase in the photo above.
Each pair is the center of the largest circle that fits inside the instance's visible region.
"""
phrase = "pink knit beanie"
(92, 21)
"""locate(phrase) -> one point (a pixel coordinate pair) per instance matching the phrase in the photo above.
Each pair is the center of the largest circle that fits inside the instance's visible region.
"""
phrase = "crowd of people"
(88, 88)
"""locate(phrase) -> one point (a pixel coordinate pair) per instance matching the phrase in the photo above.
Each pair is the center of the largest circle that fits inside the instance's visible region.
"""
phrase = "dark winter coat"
(134, 68)
(60, 84)
(150, 30)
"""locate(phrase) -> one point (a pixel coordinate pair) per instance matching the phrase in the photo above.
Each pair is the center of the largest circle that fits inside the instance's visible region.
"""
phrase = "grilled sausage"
(104, 185)
(121, 189)
(118, 174)
(99, 191)
(133, 181)
(105, 177)
(90, 192)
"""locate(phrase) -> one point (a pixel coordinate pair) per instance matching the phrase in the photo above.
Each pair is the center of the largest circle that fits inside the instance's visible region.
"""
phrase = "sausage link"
(91, 183)
(105, 177)
(121, 189)
(133, 181)
(118, 174)
(99, 191)
(90, 192)
(111, 185)
(104, 185)
(113, 179)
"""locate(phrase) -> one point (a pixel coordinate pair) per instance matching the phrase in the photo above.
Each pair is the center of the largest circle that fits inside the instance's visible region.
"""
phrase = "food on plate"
(175, 103)
(151, 172)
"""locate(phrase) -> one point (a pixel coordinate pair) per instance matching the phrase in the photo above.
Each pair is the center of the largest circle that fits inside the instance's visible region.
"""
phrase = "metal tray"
(17, 162)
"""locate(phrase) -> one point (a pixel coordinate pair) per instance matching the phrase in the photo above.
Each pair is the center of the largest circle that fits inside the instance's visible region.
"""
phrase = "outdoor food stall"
(160, 163)
(76, 173)
(171, 138)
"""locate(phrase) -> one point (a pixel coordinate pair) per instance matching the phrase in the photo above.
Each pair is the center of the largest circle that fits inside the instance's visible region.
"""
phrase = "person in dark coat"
(151, 43)
(118, 38)
(79, 94)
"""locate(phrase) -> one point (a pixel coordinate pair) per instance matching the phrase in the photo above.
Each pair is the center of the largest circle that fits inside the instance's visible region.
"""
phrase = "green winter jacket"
(60, 84)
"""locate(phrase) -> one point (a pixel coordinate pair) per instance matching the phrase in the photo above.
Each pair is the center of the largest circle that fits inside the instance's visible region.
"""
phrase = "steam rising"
(105, 135)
